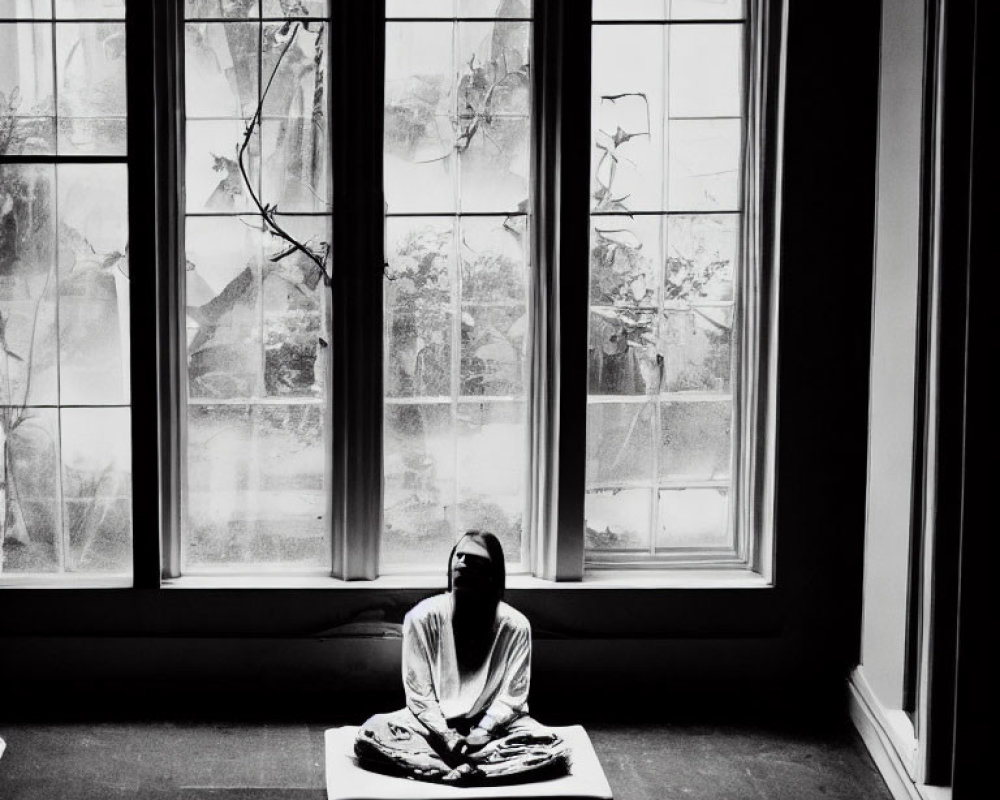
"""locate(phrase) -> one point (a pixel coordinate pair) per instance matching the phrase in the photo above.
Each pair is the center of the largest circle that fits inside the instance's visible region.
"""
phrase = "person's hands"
(477, 738)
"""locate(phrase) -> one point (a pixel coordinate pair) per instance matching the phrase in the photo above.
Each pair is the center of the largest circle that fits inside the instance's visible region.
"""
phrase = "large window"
(420, 267)
(65, 482)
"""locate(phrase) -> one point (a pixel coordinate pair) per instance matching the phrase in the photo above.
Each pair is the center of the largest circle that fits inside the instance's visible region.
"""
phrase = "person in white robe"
(466, 676)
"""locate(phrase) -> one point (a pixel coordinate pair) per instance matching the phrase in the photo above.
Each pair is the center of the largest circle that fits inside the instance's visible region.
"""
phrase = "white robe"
(436, 691)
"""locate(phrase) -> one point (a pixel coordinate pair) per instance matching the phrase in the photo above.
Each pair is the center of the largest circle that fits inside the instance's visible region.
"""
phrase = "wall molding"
(888, 736)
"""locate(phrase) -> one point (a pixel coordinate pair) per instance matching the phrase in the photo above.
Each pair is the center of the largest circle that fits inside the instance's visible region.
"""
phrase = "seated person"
(466, 671)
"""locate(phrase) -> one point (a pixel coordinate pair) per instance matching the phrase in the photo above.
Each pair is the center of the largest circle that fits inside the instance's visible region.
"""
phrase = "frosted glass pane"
(419, 307)
(295, 8)
(294, 314)
(419, 8)
(705, 9)
(630, 9)
(221, 8)
(420, 139)
(97, 488)
(27, 98)
(619, 442)
(492, 440)
(256, 492)
(420, 484)
(693, 518)
(626, 254)
(696, 350)
(494, 8)
(221, 69)
(32, 506)
(28, 285)
(628, 94)
(90, 73)
(224, 313)
(93, 284)
(705, 62)
(296, 165)
(212, 177)
(497, 9)
(701, 261)
(705, 164)
(617, 519)
(298, 87)
(695, 440)
(26, 9)
(90, 9)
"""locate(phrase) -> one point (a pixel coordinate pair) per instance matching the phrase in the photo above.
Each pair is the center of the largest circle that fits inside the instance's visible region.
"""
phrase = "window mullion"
(356, 74)
(151, 34)
(559, 290)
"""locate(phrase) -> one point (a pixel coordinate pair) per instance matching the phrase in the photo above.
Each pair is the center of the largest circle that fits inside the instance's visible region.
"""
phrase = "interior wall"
(893, 350)
(620, 647)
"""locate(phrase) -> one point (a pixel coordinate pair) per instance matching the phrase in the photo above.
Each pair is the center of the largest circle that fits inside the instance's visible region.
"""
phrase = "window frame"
(554, 521)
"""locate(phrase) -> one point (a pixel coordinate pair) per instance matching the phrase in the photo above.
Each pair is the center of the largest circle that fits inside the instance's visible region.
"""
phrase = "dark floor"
(192, 761)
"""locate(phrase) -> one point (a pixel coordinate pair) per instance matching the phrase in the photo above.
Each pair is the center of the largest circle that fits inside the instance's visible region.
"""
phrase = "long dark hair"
(498, 571)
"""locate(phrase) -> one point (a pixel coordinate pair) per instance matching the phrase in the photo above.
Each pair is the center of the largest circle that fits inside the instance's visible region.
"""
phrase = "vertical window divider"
(560, 232)
(357, 77)
(152, 258)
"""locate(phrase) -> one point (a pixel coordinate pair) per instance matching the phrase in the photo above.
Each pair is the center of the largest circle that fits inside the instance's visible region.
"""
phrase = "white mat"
(345, 780)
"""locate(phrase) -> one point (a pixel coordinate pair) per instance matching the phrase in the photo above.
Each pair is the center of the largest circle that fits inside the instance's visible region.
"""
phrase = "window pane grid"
(663, 279)
(256, 442)
(65, 494)
(456, 153)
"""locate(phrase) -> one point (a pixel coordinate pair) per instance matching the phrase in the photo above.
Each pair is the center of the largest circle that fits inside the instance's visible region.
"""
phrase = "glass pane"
(221, 8)
(695, 441)
(31, 502)
(693, 518)
(90, 74)
(224, 313)
(27, 93)
(494, 310)
(420, 496)
(419, 313)
(294, 312)
(696, 349)
(631, 9)
(213, 179)
(90, 9)
(705, 9)
(617, 519)
(93, 284)
(26, 9)
(701, 261)
(221, 69)
(492, 441)
(619, 442)
(97, 489)
(626, 254)
(295, 8)
(420, 139)
(705, 62)
(704, 164)
(256, 486)
(28, 286)
(497, 9)
(628, 94)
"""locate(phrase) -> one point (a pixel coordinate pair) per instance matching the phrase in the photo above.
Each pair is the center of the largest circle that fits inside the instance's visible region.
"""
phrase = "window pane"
(457, 142)
(90, 75)
(89, 9)
(257, 311)
(256, 486)
(27, 89)
(65, 493)
(668, 137)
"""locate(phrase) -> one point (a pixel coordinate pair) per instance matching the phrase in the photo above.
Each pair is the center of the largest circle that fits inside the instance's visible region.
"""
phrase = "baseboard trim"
(893, 749)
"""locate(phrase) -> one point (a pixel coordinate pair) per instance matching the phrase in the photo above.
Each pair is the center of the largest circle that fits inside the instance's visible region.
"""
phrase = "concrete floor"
(197, 761)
